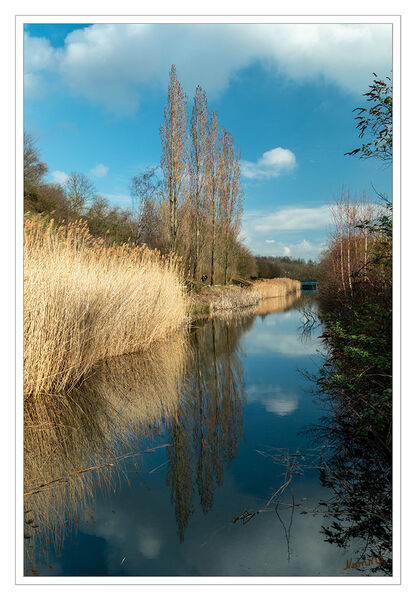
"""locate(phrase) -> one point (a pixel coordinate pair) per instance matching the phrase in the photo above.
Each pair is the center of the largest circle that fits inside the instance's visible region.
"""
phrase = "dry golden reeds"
(279, 286)
(85, 301)
(233, 298)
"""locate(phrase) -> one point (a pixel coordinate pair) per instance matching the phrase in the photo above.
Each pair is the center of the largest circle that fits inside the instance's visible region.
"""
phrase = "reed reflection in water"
(73, 443)
(278, 304)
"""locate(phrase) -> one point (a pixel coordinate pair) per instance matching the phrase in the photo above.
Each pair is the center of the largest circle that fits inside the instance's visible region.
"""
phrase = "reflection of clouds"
(281, 406)
(273, 398)
(261, 341)
(149, 543)
(133, 531)
(214, 546)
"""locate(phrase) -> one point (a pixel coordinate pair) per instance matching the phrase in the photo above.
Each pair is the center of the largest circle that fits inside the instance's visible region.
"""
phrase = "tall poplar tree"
(212, 182)
(197, 170)
(173, 133)
(230, 198)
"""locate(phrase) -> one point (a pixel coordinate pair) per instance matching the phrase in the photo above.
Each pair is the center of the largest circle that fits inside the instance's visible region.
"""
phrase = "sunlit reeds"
(279, 286)
(85, 301)
(245, 298)
(233, 298)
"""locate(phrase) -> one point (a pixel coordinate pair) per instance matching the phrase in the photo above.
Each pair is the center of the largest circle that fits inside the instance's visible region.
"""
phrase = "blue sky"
(94, 97)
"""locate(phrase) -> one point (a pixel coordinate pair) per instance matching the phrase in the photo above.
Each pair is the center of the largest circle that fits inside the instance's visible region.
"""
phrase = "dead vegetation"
(85, 301)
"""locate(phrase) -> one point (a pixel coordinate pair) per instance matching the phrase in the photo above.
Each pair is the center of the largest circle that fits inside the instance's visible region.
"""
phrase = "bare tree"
(212, 181)
(230, 196)
(80, 191)
(173, 135)
(33, 168)
(146, 190)
(197, 172)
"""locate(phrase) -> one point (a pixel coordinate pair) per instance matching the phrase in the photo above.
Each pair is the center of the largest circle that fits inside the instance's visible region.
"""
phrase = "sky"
(94, 98)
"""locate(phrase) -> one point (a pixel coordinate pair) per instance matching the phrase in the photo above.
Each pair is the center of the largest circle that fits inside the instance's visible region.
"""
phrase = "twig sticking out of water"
(47, 484)
(286, 530)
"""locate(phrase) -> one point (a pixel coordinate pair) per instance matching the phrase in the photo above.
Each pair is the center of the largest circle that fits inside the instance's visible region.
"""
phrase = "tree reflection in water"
(208, 425)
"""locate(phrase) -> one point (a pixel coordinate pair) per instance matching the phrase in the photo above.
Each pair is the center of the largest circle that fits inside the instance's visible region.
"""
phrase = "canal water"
(200, 459)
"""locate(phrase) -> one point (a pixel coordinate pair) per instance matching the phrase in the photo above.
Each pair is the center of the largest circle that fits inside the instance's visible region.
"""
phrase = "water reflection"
(205, 435)
(274, 398)
(73, 443)
(174, 515)
(278, 304)
(358, 472)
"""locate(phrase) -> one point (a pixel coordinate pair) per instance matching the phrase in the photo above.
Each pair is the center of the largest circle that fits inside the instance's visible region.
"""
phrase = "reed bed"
(85, 301)
(235, 298)
(280, 286)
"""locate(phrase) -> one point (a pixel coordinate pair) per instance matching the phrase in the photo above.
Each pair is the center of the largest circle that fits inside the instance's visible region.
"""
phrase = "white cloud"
(99, 171)
(271, 164)
(39, 55)
(109, 64)
(271, 233)
(39, 58)
(59, 177)
(149, 542)
(289, 219)
(306, 249)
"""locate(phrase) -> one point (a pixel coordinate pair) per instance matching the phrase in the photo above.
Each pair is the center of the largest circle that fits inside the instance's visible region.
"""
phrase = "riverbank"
(209, 301)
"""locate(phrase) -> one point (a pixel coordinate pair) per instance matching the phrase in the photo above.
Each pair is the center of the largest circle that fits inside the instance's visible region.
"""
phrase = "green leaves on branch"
(376, 122)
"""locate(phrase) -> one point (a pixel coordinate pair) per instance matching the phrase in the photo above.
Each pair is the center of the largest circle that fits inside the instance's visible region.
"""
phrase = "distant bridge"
(309, 285)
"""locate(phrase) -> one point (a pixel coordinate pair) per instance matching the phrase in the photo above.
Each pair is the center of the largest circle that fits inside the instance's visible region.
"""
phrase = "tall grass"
(279, 286)
(85, 301)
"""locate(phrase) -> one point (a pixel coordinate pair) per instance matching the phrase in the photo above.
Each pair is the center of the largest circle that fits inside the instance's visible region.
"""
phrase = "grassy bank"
(84, 302)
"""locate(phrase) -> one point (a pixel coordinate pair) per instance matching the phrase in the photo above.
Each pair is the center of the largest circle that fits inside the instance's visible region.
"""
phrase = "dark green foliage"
(356, 384)
(360, 368)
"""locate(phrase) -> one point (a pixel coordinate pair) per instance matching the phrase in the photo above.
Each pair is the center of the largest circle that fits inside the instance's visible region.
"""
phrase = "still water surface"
(224, 412)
